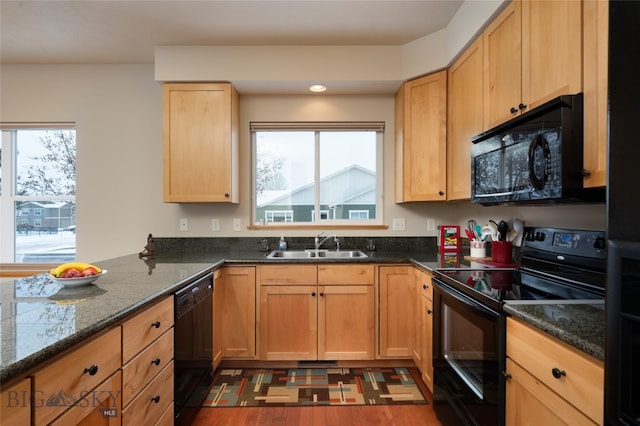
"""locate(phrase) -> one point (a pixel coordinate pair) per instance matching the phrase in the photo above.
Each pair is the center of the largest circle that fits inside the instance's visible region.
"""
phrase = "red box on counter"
(449, 238)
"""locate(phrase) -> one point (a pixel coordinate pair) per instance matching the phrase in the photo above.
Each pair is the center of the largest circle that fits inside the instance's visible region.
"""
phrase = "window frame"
(323, 126)
(8, 198)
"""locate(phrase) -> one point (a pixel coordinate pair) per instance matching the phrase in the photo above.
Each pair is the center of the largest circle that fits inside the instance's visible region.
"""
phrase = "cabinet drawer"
(145, 366)
(78, 371)
(582, 383)
(144, 328)
(345, 274)
(152, 401)
(102, 406)
(424, 279)
(288, 274)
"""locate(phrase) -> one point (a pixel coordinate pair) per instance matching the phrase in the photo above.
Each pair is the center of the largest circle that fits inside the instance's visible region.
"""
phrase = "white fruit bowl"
(76, 282)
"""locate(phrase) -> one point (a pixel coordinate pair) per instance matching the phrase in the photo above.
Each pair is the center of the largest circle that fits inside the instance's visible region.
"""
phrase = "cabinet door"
(417, 339)
(218, 309)
(288, 322)
(345, 322)
(464, 119)
(239, 312)
(427, 342)
(551, 50)
(396, 316)
(502, 66)
(596, 61)
(528, 401)
(200, 142)
(424, 126)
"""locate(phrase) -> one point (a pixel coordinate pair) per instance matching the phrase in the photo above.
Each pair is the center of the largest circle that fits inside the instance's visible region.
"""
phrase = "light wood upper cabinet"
(550, 382)
(200, 142)
(532, 54)
(464, 119)
(420, 139)
(596, 61)
(502, 66)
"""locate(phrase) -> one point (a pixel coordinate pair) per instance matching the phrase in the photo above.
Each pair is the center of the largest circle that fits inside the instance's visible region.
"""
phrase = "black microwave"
(536, 158)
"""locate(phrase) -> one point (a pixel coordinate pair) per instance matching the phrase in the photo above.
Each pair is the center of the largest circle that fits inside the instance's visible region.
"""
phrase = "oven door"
(468, 357)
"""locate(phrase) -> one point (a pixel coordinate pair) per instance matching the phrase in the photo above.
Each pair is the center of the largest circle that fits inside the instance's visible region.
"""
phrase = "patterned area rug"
(313, 386)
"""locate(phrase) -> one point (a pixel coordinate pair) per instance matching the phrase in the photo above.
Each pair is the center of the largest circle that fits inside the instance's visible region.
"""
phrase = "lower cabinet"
(395, 289)
(16, 403)
(316, 312)
(89, 376)
(218, 309)
(422, 342)
(147, 370)
(238, 286)
(550, 382)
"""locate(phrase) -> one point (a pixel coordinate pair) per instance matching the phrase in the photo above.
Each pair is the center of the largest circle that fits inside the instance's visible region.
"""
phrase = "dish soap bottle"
(282, 246)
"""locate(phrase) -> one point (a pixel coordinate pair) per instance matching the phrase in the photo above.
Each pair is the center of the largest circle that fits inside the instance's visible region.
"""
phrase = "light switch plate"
(431, 224)
(184, 224)
(215, 225)
(236, 225)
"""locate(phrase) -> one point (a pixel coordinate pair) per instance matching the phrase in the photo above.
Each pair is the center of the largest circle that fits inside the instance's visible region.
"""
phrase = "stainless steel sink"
(316, 254)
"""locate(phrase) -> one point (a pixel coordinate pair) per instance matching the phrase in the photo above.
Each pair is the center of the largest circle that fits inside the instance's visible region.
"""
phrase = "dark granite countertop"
(40, 318)
(581, 324)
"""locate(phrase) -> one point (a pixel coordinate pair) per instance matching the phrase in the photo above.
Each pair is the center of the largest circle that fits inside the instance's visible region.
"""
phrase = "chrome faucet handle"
(317, 238)
(337, 241)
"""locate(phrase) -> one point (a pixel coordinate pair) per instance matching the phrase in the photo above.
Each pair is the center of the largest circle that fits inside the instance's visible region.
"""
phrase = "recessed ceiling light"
(318, 88)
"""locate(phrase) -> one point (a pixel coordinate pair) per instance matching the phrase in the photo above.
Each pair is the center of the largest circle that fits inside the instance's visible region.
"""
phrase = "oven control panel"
(575, 242)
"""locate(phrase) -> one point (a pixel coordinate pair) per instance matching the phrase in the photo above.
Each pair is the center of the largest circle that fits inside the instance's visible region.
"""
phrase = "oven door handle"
(465, 300)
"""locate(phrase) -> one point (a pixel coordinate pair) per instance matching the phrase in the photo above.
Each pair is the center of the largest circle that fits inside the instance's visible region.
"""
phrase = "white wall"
(118, 113)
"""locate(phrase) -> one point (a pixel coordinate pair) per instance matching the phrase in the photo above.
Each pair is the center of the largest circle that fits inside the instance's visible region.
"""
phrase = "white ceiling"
(99, 32)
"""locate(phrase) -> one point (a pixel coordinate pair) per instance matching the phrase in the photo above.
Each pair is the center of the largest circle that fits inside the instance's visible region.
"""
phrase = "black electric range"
(469, 326)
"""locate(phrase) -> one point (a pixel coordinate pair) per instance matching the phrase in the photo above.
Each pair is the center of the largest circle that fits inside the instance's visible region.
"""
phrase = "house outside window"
(37, 193)
(309, 167)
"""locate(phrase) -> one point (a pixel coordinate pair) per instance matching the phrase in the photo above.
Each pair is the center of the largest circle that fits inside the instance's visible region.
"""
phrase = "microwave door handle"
(538, 141)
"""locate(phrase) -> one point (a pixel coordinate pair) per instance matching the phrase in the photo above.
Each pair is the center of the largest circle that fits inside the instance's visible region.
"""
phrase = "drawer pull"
(156, 361)
(424, 286)
(557, 373)
(91, 370)
(155, 324)
(506, 375)
(156, 399)
(429, 311)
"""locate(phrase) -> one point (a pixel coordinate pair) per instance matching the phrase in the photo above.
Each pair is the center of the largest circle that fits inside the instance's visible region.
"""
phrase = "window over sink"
(300, 168)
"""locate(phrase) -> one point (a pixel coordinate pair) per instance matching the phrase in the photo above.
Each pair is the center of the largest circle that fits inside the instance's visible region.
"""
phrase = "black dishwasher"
(193, 347)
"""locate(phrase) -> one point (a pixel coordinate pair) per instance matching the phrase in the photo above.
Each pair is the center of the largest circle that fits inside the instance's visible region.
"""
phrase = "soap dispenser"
(282, 246)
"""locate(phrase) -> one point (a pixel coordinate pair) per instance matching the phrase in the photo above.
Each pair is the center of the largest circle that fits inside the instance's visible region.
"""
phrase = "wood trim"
(314, 226)
(24, 269)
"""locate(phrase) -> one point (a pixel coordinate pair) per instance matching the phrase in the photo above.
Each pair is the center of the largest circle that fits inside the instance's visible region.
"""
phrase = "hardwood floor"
(360, 415)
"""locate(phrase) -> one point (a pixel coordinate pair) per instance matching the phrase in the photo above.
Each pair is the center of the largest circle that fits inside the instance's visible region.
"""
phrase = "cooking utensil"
(473, 227)
(503, 229)
(493, 230)
(470, 235)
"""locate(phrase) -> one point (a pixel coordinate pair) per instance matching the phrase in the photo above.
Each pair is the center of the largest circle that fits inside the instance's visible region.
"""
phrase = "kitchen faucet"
(318, 242)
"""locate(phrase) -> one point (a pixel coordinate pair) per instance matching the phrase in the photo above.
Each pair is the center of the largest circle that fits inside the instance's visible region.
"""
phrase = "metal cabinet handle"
(557, 373)
(424, 286)
(322, 294)
(156, 399)
(506, 375)
(313, 294)
(91, 370)
(429, 311)
(522, 107)
(156, 361)
(155, 324)
(513, 110)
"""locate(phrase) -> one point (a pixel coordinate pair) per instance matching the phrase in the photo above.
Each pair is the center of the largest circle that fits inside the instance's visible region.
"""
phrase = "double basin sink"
(316, 254)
